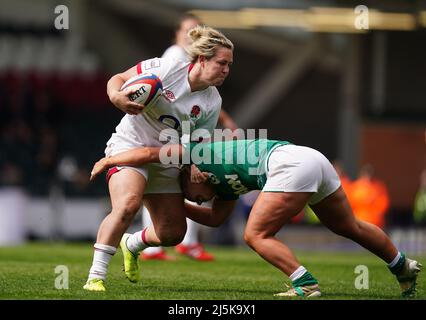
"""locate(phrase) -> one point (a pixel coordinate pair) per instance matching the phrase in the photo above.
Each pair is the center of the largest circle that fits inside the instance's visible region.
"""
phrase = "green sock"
(306, 280)
(396, 269)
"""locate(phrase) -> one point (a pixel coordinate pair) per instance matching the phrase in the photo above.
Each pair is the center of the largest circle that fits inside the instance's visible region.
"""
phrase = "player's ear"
(202, 60)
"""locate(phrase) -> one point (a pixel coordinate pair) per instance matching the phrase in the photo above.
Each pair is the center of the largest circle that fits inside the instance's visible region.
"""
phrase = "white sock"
(298, 273)
(395, 260)
(135, 243)
(146, 218)
(191, 236)
(101, 258)
(192, 229)
(146, 221)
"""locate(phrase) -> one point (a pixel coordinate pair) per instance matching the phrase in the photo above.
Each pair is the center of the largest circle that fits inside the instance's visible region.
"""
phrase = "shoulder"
(155, 65)
(214, 97)
(177, 70)
(214, 91)
(164, 67)
(151, 63)
(177, 65)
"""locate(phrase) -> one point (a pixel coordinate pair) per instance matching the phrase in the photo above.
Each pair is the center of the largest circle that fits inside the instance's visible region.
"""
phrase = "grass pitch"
(28, 272)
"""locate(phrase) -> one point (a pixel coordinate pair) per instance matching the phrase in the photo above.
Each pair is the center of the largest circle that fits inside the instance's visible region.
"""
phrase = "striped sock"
(137, 242)
(101, 258)
(301, 277)
(397, 263)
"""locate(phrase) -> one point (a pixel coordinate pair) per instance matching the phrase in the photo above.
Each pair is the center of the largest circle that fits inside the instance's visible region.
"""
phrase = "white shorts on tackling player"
(292, 168)
(161, 178)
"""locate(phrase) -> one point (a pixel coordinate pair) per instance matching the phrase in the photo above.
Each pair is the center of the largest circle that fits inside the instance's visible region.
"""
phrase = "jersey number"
(169, 121)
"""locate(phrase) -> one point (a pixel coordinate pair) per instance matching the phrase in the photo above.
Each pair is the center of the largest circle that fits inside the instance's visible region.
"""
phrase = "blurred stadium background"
(301, 70)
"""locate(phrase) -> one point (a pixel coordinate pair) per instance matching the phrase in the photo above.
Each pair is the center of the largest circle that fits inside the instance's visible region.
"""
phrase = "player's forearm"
(136, 157)
(201, 215)
(114, 84)
(212, 217)
(141, 156)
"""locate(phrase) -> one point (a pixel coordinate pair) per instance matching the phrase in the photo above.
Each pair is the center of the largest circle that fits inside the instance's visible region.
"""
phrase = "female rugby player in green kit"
(290, 177)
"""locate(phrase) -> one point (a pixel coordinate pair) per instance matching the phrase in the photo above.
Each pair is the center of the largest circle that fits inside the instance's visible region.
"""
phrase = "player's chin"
(219, 82)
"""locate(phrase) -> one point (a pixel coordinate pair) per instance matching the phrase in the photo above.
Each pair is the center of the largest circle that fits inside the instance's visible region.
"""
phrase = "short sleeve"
(157, 66)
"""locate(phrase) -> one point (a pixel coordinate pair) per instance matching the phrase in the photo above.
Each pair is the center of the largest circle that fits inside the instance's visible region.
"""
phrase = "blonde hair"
(205, 41)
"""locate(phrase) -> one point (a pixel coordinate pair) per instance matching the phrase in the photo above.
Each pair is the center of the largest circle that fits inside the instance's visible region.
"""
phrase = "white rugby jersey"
(200, 109)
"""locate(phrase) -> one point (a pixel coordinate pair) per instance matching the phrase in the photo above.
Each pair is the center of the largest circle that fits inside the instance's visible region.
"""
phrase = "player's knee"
(128, 207)
(171, 240)
(251, 238)
(247, 239)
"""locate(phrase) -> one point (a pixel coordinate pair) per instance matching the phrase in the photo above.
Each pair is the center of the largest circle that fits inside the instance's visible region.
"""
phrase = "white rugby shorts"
(160, 178)
(292, 168)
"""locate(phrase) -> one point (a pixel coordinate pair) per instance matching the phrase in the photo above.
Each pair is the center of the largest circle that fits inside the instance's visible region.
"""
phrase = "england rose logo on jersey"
(195, 113)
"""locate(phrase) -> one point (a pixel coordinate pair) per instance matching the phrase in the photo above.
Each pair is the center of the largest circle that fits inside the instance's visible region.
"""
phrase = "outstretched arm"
(212, 217)
(135, 158)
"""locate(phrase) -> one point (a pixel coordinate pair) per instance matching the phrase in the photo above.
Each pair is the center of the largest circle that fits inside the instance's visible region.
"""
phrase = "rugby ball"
(147, 89)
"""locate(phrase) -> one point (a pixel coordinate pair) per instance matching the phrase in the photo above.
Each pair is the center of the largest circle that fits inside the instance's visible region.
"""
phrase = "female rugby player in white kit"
(189, 94)
(190, 245)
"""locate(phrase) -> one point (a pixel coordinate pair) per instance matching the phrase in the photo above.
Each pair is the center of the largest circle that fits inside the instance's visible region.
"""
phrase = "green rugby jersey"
(236, 166)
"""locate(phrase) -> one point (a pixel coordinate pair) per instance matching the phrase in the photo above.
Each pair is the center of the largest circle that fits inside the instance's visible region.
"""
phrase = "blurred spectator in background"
(48, 81)
(190, 245)
(420, 201)
(369, 197)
